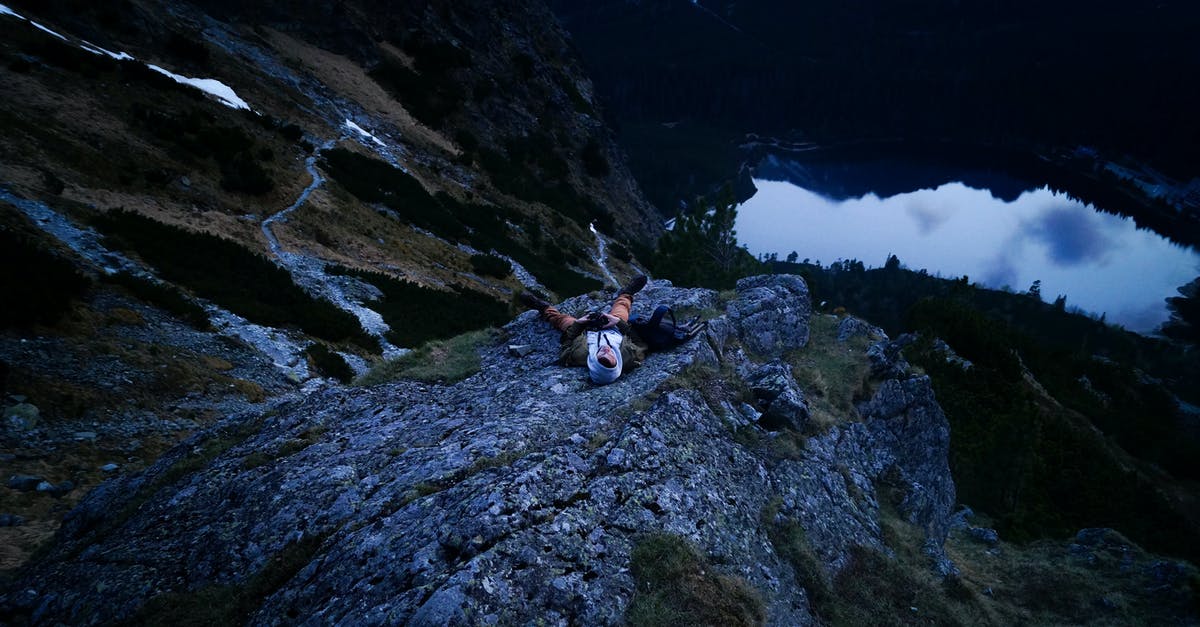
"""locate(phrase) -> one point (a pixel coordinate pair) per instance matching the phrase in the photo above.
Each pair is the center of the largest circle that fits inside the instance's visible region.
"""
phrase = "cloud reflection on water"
(1074, 235)
(1101, 262)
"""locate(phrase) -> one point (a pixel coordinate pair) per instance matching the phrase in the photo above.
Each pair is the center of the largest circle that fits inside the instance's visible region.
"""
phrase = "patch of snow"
(46, 30)
(94, 49)
(669, 225)
(211, 86)
(601, 257)
(284, 350)
(358, 129)
(359, 365)
(4, 10)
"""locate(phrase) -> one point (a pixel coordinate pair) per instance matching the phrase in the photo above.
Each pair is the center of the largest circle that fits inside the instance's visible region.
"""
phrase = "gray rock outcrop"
(513, 497)
(779, 397)
(771, 313)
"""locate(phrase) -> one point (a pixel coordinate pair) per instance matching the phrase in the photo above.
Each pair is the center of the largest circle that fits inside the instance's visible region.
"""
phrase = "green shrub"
(431, 97)
(594, 162)
(436, 57)
(1031, 463)
(243, 174)
(530, 168)
(438, 361)
(232, 276)
(38, 286)
(417, 314)
(483, 227)
(187, 49)
(290, 131)
(491, 265)
(374, 181)
(52, 183)
(466, 140)
(675, 585)
(524, 65)
(196, 134)
(164, 296)
(33, 43)
(555, 276)
(329, 363)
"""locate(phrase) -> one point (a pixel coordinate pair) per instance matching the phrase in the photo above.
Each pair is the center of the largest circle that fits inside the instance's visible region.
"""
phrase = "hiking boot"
(532, 302)
(634, 286)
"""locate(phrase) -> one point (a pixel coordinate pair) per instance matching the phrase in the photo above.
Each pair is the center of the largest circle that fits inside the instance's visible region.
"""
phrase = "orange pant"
(561, 321)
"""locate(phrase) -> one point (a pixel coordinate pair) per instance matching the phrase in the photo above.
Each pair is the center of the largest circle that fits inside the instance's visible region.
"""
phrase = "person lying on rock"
(603, 342)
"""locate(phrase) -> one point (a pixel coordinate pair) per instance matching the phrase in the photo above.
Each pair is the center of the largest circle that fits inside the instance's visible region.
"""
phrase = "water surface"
(1101, 262)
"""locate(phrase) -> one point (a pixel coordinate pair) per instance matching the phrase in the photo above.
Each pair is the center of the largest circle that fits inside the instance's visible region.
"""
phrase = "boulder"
(886, 360)
(24, 483)
(778, 397)
(771, 313)
(519, 350)
(851, 327)
(984, 535)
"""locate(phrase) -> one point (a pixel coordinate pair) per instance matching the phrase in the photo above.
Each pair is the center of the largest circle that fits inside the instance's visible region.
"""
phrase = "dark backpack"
(661, 332)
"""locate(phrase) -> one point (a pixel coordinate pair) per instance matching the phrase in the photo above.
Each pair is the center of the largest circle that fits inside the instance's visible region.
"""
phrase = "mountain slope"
(206, 204)
(524, 494)
(518, 493)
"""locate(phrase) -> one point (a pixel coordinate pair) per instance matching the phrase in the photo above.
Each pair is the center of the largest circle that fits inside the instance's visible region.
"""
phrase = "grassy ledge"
(438, 361)
(676, 585)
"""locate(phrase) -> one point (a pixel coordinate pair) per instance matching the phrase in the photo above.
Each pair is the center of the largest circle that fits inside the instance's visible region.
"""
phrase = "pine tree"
(702, 250)
(1184, 324)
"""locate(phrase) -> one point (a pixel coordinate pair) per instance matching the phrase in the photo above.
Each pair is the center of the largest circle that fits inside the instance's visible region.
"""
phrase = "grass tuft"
(791, 543)
(833, 375)
(676, 585)
(230, 603)
(438, 361)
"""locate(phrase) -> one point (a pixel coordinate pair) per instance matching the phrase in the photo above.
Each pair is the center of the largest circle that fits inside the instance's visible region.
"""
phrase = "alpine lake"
(998, 229)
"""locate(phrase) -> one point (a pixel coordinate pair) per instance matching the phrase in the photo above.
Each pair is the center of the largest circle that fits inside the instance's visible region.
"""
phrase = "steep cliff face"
(514, 496)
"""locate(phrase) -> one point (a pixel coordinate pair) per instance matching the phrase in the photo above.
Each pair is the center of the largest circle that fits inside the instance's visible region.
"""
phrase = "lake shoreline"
(1080, 173)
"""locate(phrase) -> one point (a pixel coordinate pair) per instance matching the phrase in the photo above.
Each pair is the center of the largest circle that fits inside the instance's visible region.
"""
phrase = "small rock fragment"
(519, 350)
(24, 483)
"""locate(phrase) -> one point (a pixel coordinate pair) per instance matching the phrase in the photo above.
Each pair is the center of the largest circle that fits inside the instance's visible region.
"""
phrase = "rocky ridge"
(514, 496)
